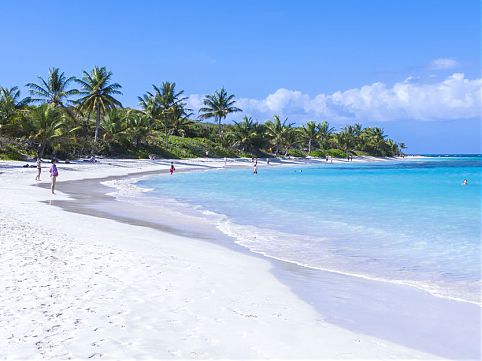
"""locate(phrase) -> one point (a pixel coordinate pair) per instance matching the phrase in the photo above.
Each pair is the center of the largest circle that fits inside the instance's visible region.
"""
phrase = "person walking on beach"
(172, 169)
(54, 173)
(39, 169)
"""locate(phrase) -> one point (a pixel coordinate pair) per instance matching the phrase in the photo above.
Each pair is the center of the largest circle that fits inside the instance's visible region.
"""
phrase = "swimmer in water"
(465, 182)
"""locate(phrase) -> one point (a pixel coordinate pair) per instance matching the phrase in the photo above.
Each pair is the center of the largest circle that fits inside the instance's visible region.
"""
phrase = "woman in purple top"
(54, 173)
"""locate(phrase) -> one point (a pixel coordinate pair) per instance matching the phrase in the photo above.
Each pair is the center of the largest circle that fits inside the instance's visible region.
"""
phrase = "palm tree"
(218, 106)
(10, 104)
(290, 139)
(165, 105)
(244, 133)
(181, 122)
(149, 107)
(114, 126)
(309, 132)
(10, 98)
(97, 93)
(373, 140)
(47, 124)
(393, 147)
(345, 140)
(357, 131)
(279, 133)
(324, 133)
(53, 90)
(172, 106)
(137, 127)
(347, 137)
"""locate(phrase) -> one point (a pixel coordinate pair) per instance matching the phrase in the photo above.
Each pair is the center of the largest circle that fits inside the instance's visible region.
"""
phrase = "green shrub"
(336, 153)
(11, 153)
(11, 149)
(296, 153)
(319, 153)
(196, 147)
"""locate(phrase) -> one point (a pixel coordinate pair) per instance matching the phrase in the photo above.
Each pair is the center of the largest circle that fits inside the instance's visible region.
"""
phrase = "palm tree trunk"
(97, 123)
(40, 153)
(309, 146)
(167, 135)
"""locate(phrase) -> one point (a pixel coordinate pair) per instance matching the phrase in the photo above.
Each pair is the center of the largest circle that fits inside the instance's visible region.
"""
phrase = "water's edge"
(355, 304)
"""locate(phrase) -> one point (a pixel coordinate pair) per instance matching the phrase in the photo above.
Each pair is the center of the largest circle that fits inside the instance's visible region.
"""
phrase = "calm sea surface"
(410, 222)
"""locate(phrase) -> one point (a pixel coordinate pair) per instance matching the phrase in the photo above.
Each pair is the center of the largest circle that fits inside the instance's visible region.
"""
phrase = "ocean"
(408, 222)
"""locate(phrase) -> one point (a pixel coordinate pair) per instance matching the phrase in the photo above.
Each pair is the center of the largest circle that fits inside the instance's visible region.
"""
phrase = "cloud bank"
(455, 97)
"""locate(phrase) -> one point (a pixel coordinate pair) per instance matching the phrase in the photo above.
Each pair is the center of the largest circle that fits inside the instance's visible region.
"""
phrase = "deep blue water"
(410, 221)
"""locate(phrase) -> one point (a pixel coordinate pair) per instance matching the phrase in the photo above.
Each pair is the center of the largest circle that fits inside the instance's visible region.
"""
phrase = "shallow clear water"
(410, 222)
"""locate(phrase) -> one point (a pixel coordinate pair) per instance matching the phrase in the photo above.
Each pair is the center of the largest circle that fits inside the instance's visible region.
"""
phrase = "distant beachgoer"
(39, 169)
(465, 182)
(54, 173)
(207, 153)
(255, 169)
(225, 161)
(326, 158)
(172, 169)
(91, 159)
(267, 161)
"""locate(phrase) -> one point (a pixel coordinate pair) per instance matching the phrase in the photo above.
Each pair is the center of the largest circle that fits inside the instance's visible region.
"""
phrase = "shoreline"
(133, 179)
(336, 337)
(292, 274)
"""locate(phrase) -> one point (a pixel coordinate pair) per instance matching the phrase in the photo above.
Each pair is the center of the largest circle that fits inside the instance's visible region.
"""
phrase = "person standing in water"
(465, 182)
(255, 168)
(172, 169)
(39, 169)
(54, 173)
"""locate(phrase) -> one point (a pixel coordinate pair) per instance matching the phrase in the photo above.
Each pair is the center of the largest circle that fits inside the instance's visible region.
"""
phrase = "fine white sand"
(77, 286)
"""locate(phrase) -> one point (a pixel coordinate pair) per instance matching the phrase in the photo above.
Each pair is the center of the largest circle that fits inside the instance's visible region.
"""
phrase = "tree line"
(72, 117)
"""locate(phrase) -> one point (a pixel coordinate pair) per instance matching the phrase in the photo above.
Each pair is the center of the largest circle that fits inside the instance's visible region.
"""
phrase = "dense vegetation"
(69, 117)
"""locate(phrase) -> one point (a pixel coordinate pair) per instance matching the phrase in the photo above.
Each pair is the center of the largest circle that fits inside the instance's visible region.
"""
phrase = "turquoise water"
(410, 222)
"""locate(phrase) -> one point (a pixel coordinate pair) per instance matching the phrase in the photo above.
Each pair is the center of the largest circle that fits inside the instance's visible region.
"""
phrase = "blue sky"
(411, 66)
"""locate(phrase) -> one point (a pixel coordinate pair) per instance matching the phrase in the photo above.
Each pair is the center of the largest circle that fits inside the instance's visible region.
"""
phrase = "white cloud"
(195, 102)
(452, 98)
(443, 63)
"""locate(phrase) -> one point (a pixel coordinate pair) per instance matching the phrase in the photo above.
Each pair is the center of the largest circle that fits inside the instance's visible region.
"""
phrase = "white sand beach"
(83, 287)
